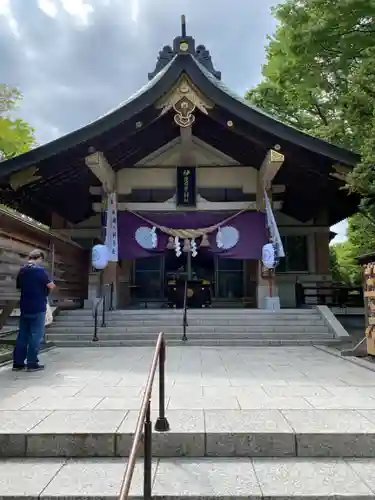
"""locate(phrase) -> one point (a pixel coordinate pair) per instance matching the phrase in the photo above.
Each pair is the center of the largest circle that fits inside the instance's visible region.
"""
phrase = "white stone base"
(263, 293)
(272, 303)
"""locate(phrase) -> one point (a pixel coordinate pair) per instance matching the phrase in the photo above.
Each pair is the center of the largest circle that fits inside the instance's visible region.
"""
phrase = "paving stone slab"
(248, 433)
(87, 479)
(332, 433)
(75, 433)
(222, 478)
(309, 478)
(186, 436)
(26, 479)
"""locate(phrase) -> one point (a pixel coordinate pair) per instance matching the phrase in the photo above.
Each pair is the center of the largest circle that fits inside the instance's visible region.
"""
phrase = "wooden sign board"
(186, 194)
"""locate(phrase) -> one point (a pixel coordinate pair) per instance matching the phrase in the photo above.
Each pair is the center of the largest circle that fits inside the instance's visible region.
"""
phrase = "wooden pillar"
(323, 264)
(124, 282)
(269, 168)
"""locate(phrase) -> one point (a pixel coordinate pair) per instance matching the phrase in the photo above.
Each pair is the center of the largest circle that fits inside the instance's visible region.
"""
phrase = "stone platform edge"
(194, 445)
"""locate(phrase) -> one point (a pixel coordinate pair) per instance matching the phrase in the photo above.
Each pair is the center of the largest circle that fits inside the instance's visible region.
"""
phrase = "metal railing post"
(184, 318)
(161, 424)
(95, 337)
(112, 286)
(103, 310)
(147, 475)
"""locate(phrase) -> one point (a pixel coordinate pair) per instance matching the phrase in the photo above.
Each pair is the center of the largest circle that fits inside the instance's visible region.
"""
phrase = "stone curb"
(363, 363)
(192, 444)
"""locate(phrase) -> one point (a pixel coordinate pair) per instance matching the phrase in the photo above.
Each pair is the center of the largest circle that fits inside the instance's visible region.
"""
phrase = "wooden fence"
(66, 261)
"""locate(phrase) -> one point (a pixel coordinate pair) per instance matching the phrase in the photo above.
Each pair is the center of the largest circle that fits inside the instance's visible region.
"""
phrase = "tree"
(361, 240)
(319, 77)
(344, 266)
(16, 135)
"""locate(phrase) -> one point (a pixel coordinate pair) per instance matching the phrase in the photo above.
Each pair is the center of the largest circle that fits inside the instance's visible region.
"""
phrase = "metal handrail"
(144, 421)
(184, 318)
(102, 300)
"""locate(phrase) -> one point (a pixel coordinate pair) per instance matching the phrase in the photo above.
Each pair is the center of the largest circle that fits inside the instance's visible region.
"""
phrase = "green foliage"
(319, 77)
(344, 265)
(16, 136)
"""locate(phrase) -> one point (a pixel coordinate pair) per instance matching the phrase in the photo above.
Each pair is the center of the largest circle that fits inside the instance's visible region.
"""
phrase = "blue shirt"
(32, 280)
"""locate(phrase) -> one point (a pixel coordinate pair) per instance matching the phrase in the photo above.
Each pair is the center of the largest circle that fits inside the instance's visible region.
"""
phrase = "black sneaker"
(35, 368)
(18, 368)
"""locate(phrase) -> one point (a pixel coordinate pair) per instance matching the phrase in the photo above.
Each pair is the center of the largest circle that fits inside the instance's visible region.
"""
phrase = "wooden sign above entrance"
(186, 187)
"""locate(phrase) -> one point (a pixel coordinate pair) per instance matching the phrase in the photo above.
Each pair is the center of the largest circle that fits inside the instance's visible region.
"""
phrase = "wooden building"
(185, 118)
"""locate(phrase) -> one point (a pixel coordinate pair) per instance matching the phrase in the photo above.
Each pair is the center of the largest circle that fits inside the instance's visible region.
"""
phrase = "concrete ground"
(306, 419)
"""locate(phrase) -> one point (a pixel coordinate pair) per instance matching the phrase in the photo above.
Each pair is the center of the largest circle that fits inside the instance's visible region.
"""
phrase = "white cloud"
(6, 12)
(49, 7)
(76, 59)
(79, 9)
(134, 9)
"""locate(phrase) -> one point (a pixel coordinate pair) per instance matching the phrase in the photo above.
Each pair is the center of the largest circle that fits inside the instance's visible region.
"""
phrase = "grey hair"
(36, 254)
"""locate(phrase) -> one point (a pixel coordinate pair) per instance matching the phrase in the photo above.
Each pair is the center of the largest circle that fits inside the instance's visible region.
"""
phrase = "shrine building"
(189, 162)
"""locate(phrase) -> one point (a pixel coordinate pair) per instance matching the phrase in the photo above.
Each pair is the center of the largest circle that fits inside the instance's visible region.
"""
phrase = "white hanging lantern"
(268, 256)
(99, 257)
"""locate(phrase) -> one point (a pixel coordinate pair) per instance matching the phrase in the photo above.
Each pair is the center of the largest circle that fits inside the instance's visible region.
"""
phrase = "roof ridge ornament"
(183, 26)
(184, 98)
(184, 44)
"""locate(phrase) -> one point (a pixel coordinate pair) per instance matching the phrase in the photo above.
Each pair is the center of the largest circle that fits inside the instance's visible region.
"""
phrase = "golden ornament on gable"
(184, 88)
(184, 112)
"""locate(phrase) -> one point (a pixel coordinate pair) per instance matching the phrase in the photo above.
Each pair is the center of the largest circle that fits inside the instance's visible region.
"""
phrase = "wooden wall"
(67, 262)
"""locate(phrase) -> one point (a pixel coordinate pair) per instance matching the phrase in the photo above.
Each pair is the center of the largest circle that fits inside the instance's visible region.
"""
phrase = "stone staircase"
(206, 327)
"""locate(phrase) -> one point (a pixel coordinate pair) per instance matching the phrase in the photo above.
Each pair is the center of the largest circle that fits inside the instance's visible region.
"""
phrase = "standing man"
(35, 285)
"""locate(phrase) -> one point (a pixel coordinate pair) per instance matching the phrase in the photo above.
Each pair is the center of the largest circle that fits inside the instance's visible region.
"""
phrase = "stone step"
(223, 330)
(108, 431)
(233, 312)
(258, 342)
(190, 479)
(171, 315)
(176, 335)
(116, 321)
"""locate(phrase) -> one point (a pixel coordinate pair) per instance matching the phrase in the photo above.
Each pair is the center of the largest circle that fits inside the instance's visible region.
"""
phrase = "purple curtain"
(250, 225)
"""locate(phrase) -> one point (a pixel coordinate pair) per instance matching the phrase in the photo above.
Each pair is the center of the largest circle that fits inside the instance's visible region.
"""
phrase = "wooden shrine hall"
(186, 158)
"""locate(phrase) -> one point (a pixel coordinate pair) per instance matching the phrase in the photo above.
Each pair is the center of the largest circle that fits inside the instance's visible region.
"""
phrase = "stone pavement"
(279, 479)
(282, 401)
(281, 422)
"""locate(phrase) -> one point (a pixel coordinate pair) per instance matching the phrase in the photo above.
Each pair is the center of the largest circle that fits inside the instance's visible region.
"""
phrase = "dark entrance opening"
(198, 272)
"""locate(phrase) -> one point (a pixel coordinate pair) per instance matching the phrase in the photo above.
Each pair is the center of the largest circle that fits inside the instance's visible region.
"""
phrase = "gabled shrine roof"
(137, 127)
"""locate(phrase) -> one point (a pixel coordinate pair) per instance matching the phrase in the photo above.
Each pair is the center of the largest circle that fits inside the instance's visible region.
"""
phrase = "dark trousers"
(30, 336)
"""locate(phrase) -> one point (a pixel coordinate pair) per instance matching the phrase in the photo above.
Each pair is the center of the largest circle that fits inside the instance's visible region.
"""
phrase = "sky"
(74, 60)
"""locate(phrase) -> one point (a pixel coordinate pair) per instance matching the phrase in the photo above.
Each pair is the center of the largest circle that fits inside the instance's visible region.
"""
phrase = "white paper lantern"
(99, 257)
(268, 256)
